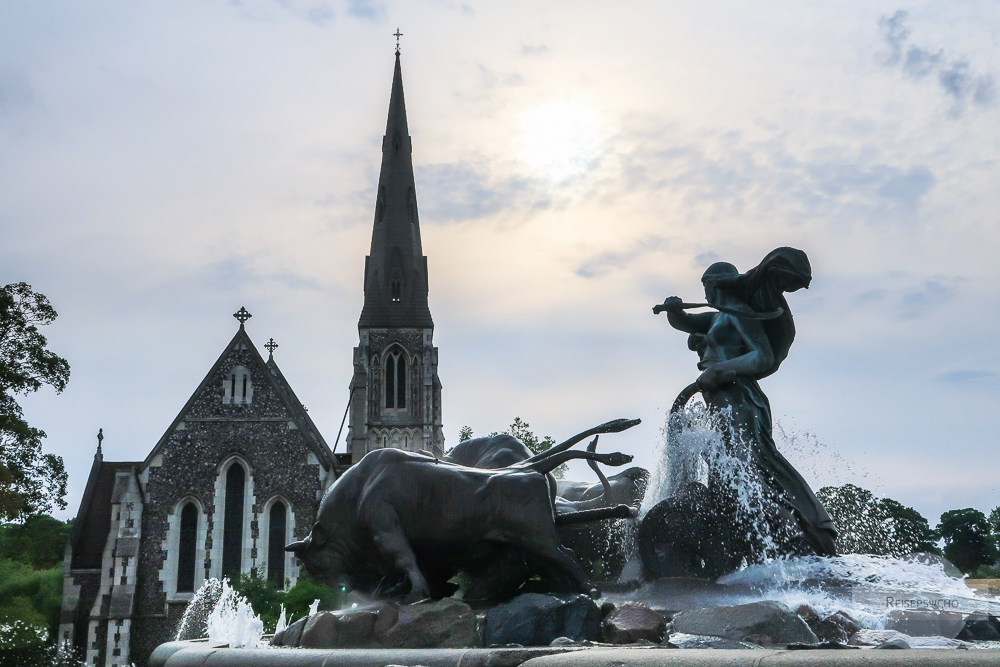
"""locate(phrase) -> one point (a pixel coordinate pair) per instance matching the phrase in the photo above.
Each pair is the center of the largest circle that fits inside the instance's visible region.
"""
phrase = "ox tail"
(598, 514)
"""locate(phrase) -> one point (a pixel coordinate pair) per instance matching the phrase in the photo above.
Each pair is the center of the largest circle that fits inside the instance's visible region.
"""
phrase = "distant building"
(240, 471)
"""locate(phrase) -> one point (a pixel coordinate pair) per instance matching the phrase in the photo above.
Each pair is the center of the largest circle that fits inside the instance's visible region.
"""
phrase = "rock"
(607, 608)
(846, 623)
(320, 631)
(897, 643)
(564, 641)
(769, 619)
(631, 622)
(867, 637)
(356, 627)
(386, 615)
(292, 635)
(980, 627)
(836, 628)
(926, 622)
(936, 642)
(806, 613)
(446, 623)
(534, 619)
(684, 640)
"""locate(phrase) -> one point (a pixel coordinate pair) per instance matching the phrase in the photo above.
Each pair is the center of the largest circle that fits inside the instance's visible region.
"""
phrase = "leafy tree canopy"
(31, 482)
(38, 542)
(521, 430)
(995, 521)
(967, 538)
(872, 525)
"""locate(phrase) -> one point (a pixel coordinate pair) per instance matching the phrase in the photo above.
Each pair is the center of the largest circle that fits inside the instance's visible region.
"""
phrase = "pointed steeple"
(396, 269)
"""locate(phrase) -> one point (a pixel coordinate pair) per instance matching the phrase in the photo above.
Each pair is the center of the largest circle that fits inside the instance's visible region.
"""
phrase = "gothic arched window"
(395, 380)
(232, 529)
(396, 291)
(187, 549)
(276, 541)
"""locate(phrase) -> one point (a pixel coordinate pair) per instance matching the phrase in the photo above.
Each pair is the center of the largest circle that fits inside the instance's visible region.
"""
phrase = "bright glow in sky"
(559, 141)
(163, 164)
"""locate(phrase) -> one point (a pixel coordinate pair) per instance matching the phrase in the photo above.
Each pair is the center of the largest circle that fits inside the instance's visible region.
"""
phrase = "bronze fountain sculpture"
(701, 530)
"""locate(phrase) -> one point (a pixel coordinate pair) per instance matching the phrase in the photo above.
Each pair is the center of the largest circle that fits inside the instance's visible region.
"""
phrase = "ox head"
(321, 559)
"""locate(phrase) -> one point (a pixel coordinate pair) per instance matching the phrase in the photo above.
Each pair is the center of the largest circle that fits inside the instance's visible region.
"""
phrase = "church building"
(240, 471)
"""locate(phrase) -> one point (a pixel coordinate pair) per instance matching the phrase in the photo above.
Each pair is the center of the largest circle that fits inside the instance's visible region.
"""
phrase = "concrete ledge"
(200, 653)
(765, 657)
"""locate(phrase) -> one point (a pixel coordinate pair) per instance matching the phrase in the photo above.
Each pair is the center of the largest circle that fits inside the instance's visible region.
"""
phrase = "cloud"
(954, 75)
(706, 258)
(460, 192)
(534, 49)
(15, 91)
(608, 261)
(366, 9)
(964, 375)
(730, 178)
(918, 302)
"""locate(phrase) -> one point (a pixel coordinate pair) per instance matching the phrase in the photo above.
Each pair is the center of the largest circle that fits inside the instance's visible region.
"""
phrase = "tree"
(911, 531)
(522, 431)
(38, 542)
(871, 525)
(31, 482)
(995, 522)
(967, 540)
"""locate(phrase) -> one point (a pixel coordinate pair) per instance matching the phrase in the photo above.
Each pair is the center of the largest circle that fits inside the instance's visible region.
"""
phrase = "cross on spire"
(242, 315)
(397, 35)
(271, 347)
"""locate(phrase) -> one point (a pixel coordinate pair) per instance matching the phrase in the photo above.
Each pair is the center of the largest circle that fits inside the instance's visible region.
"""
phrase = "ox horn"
(296, 547)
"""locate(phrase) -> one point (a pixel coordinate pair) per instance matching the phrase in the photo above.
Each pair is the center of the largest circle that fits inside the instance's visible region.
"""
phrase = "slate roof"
(93, 521)
(396, 253)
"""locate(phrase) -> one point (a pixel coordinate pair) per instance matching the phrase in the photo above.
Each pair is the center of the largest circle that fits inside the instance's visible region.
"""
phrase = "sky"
(164, 164)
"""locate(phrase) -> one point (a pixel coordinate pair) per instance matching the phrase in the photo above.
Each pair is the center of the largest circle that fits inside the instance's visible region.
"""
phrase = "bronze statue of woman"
(745, 339)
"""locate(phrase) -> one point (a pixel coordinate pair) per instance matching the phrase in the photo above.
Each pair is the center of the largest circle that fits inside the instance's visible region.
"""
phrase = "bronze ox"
(402, 519)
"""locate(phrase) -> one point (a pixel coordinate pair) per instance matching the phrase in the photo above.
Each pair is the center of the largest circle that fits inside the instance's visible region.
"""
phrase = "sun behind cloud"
(560, 140)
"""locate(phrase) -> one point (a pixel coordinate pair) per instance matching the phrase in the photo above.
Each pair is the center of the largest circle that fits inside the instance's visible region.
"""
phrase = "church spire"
(396, 269)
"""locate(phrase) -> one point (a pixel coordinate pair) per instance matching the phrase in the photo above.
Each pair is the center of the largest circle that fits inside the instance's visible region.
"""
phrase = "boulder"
(445, 623)
(684, 640)
(356, 627)
(926, 622)
(980, 627)
(845, 622)
(291, 635)
(767, 621)
(534, 619)
(897, 643)
(836, 628)
(320, 631)
(868, 637)
(632, 621)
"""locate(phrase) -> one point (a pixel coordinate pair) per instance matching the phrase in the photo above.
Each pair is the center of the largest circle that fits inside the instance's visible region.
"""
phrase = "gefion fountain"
(464, 560)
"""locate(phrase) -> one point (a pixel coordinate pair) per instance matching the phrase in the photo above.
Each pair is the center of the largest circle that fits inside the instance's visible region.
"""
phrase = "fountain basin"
(200, 653)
